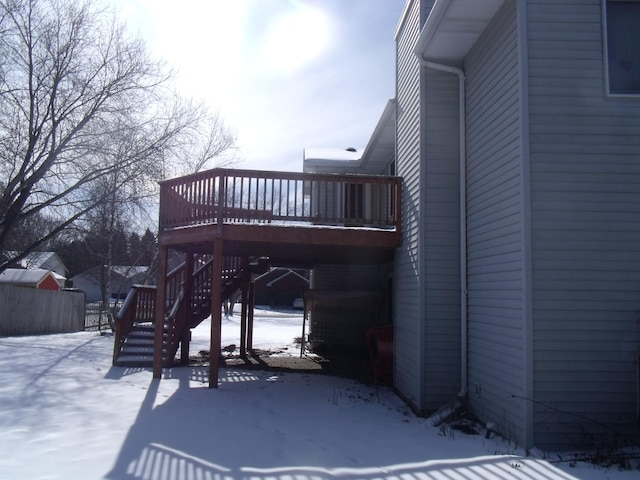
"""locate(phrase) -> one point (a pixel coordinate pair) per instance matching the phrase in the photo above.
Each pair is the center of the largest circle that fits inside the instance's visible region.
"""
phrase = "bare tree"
(81, 103)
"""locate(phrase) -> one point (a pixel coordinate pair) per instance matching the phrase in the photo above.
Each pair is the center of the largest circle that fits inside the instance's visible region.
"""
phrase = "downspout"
(463, 210)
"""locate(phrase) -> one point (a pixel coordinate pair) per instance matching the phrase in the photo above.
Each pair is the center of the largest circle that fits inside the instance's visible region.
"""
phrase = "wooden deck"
(295, 219)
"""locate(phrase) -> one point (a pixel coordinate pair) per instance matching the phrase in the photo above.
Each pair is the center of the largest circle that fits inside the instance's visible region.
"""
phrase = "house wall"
(408, 283)
(496, 330)
(440, 239)
(585, 194)
(54, 264)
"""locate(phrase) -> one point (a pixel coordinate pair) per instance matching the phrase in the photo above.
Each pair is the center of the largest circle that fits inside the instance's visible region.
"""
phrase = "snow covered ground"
(66, 413)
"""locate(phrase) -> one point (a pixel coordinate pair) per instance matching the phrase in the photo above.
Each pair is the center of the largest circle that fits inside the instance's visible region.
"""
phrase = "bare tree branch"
(81, 102)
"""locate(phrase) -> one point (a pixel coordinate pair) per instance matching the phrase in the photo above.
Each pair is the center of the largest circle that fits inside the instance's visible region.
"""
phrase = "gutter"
(463, 209)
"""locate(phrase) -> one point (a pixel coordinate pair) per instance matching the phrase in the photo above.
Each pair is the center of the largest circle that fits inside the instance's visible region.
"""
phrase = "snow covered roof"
(128, 271)
(372, 160)
(30, 277)
(45, 260)
(331, 160)
(333, 154)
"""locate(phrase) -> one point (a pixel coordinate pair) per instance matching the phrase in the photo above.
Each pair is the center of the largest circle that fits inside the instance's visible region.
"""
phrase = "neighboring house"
(517, 283)
(280, 286)
(44, 260)
(32, 278)
(123, 277)
(375, 159)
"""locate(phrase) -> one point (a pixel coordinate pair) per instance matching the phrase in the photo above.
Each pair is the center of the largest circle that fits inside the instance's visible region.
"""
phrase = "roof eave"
(453, 27)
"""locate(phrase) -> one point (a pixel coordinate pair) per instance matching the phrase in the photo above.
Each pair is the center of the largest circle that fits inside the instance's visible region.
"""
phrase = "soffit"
(453, 27)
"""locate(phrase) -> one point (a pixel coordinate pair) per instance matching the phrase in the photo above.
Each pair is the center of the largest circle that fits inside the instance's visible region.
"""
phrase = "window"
(623, 46)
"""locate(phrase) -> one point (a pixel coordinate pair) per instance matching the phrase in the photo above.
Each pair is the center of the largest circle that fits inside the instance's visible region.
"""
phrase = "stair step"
(147, 347)
(136, 350)
(144, 332)
(144, 345)
(143, 338)
(134, 361)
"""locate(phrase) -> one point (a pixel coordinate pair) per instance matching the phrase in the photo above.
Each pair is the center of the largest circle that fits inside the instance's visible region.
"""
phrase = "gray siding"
(440, 239)
(494, 227)
(408, 283)
(585, 173)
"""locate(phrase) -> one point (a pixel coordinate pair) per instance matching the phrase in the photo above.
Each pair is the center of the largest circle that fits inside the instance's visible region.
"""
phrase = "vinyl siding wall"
(440, 239)
(496, 330)
(408, 331)
(585, 172)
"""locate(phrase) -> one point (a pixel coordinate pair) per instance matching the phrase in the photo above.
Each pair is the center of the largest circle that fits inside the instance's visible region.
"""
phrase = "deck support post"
(185, 337)
(251, 302)
(243, 312)
(161, 295)
(216, 312)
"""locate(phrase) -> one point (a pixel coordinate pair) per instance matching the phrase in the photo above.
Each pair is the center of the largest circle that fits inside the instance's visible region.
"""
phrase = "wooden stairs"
(137, 348)
(188, 303)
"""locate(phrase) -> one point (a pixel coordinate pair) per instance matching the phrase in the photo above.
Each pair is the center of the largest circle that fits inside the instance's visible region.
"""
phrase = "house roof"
(38, 260)
(331, 160)
(32, 276)
(371, 160)
(453, 27)
(129, 271)
(382, 144)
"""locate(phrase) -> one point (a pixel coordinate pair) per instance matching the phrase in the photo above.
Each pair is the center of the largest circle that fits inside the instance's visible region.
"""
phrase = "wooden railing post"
(222, 202)
(397, 214)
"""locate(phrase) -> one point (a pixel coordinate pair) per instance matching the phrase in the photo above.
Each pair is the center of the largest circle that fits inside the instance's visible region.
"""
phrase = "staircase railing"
(180, 313)
(139, 306)
(175, 322)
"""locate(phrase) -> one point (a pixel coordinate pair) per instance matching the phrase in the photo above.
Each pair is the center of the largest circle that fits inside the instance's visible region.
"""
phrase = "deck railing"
(248, 196)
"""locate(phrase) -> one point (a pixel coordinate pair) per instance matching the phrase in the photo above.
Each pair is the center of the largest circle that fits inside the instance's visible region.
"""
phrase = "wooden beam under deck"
(290, 245)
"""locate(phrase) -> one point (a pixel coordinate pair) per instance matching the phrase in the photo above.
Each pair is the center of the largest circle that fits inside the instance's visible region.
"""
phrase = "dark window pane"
(623, 43)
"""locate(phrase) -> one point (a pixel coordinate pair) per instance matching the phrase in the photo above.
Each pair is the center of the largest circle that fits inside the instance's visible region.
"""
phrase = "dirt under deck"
(355, 366)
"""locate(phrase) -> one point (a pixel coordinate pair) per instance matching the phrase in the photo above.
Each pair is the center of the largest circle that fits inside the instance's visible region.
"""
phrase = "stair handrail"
(139, 305)
(128, 313)
(176, 306)
(175, 321)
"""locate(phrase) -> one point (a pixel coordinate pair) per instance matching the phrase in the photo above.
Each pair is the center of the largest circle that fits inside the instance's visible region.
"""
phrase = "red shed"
(33, 278)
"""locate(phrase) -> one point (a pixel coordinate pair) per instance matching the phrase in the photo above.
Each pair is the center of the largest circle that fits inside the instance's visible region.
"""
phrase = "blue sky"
(286, 74)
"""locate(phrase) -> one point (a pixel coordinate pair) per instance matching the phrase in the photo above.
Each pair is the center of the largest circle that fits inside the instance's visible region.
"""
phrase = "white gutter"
(463, 209)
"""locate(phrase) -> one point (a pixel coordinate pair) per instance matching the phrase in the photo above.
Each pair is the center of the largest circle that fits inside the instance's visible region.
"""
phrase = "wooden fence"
(29, 311)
